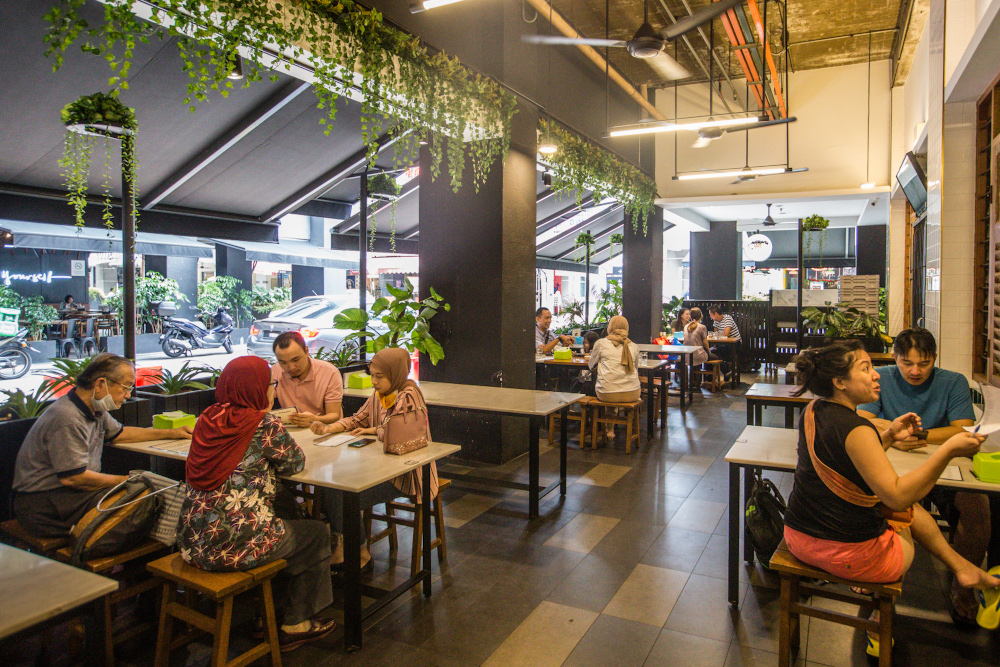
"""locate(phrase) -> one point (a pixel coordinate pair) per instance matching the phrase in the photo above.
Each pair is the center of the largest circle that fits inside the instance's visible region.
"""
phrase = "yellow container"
(987, 466)
(359, 381)
(562, 355)
(174, 419)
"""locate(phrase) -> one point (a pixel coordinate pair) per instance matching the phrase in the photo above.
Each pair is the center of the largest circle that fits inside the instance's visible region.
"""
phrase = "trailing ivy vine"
(579, 165)
(584, 240)
(409, 94)
(814, 223)
(617, 239)
(106, 115)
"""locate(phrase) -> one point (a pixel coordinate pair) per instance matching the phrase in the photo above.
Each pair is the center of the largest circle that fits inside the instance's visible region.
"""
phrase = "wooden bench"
(392, 520)
(630, 420)
(220, 587)
(133, 581)
(792, 570)
(712, 371)
(573, 417)
(19, 537)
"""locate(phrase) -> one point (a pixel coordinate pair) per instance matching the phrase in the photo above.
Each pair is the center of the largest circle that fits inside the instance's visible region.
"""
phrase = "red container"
(415, 366)
(148, 375)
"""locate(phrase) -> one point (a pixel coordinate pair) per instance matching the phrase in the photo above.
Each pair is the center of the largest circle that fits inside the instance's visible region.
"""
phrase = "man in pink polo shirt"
(312, 386)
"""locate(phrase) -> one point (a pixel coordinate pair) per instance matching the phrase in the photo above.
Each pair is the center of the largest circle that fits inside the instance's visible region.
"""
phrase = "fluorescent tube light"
(867, 186)
(648, 128)
(730, 174)
(429, 4)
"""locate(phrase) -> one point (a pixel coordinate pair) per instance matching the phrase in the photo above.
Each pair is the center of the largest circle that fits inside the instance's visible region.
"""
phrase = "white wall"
(960, 23)
(829, 137)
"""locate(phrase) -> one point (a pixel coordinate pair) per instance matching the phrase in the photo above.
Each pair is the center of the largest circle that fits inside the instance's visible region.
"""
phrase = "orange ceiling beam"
(775, 77)
(732, 25)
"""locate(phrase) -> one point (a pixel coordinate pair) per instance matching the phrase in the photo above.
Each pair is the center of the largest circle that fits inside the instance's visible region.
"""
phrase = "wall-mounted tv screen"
(911, 178)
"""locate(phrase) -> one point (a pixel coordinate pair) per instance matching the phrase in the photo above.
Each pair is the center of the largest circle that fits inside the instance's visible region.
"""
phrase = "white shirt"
(612, 376)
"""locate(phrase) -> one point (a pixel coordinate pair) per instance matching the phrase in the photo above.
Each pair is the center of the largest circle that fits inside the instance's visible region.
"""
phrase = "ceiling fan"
(647, 44)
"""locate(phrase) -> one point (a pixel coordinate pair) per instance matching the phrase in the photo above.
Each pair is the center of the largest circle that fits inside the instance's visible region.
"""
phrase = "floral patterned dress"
(233, 527)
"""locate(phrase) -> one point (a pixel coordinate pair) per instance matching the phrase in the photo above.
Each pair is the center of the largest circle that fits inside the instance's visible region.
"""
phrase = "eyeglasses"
(273, 383)
(128, 389)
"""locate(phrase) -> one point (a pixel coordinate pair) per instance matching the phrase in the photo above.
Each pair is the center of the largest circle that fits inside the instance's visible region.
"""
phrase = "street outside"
(34, 378)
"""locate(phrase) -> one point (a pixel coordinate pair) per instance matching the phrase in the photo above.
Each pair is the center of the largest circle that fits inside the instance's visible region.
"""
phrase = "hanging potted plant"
(89, 119)
(616, 240)
(385, 188)
(585, 240)
(815, 223)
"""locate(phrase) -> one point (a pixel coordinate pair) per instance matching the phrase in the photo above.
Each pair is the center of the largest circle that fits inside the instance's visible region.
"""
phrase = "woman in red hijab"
(228, 521)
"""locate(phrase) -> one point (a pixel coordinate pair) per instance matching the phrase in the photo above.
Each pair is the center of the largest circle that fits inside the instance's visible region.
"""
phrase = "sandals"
(988, 615)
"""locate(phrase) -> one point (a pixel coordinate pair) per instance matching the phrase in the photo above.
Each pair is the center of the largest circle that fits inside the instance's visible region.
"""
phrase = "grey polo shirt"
(66, 440)
(543, 337)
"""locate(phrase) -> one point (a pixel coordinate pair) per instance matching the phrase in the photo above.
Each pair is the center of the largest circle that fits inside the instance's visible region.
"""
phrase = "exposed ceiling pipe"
(562, 25)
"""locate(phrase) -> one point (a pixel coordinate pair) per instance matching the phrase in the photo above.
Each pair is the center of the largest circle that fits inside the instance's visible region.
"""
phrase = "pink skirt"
(879, 560)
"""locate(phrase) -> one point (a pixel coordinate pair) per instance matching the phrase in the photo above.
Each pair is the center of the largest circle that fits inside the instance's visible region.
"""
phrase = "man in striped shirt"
(725, 327)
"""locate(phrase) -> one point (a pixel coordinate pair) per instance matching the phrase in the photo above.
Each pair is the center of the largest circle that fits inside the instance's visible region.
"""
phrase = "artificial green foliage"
(173, 383)
(98, 111)
(406, 90)
(845, 321)
(406, 317)
(385, 185)
(814, 223)
(609, 302)
(579, 166)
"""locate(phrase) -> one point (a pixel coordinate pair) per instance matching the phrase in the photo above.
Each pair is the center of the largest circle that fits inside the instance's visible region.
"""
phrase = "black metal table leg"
(533, 427)
(748, 476)
(93, 623)
(789, 416)
(650, 405)
(751, 413)
(425, 518)
(684, 381)
(564, 446)
(664, 389)
(352, 571)
(734, 533)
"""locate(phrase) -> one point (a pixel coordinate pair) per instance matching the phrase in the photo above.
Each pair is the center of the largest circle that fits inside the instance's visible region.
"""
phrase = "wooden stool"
(791, 570)
(656, 386)
(22, 539)
(573, 417)
(133, 582)
(713, 371)
(221, 588)
(630, 420)
(416, 523)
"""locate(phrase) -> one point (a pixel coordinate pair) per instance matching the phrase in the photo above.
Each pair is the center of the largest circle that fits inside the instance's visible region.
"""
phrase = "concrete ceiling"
(841, 210)
(820, 34)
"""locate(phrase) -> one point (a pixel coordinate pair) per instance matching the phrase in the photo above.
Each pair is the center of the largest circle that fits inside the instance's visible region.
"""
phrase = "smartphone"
(921, 435)
(361, 442)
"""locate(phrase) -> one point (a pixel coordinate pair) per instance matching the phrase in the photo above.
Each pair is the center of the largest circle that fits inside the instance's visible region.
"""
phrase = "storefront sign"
(47, 277)
(757, 248)
(78, 268)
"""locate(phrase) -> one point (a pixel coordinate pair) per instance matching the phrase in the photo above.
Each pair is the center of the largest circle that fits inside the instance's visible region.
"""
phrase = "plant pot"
(192, 402)
(12, 434)
(871, 344)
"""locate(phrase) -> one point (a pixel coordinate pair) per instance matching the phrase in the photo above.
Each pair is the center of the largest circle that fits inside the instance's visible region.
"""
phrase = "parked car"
(312, 316)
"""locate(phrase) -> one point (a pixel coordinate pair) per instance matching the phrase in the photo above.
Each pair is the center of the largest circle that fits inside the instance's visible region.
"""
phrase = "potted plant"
(180, 390)
(609, 302)
(814, 223)
(406, 317)
(93, 117)
(670, 311)
(136, 411)
(616, 240)
(345, 356)
(584, 240)
(844, 322)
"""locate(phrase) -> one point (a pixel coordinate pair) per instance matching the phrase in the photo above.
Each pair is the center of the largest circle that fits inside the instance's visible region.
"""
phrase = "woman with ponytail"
(696, 334)
(849, 513)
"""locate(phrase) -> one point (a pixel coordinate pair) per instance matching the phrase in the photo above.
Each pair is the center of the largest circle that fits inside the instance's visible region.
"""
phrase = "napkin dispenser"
(174, 419)
(562, 355)
(359, 381)
(986, 466)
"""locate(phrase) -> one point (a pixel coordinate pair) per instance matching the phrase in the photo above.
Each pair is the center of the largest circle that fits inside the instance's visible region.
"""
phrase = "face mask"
(107, 404)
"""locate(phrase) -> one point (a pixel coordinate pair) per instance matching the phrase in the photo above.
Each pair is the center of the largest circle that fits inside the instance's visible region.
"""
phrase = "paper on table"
(177, 446)
(954, 473)
(984, 428)
(334, 440)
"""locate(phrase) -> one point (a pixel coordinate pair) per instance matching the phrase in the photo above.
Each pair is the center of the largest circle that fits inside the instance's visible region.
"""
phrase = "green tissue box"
(987, 466)
(359, 381)
(174, 419)
(563, 355)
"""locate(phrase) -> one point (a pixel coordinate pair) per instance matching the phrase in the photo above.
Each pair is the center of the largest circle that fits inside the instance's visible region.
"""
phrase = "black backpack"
(765, 518)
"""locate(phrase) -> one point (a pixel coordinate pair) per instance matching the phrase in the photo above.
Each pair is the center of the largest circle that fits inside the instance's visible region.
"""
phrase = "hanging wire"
(524, 15)
(607, 66)
(868, 136)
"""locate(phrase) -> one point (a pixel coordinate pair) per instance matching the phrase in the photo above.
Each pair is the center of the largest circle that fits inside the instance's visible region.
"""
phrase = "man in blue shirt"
(942, 400)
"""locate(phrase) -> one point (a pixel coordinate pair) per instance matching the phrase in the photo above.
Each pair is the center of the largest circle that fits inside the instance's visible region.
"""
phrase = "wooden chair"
(791, 570)
(220, 587)
(607, 414)
(133, 581)
(713, 371)
(17, 536)
(573, 417)
(392, 520)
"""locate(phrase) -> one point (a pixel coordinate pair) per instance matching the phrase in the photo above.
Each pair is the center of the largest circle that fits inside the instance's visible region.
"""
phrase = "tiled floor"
(627, 569)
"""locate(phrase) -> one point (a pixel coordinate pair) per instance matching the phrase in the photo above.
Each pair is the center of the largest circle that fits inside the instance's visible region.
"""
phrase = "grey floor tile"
(673, 649)
(703, 609)
(699, 515)
(544, 639)
(675, 484)
(746, 656)
(592, 583)
(614, 642)
(677, 549)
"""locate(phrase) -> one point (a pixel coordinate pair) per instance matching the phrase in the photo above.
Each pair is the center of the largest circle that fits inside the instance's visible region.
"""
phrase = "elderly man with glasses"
(57, 475)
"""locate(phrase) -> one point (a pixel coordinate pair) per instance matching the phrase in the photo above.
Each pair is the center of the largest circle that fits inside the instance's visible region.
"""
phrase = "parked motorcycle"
(15, 362)
(180, 336)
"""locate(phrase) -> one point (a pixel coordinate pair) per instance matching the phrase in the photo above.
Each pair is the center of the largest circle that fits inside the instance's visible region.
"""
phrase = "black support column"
(642, 278)
(478, 251)
(717, 263)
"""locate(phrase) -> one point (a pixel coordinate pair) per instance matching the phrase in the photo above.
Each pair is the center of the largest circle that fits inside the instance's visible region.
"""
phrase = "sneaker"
(321, 627)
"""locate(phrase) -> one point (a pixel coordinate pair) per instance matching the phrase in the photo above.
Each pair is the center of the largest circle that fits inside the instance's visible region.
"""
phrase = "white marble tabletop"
(778, 448)
(351, 469)
(34, 589)
(488, 399)
(670, 349)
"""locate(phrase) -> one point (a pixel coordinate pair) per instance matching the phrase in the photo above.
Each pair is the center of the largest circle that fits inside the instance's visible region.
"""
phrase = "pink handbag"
(405, 432)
